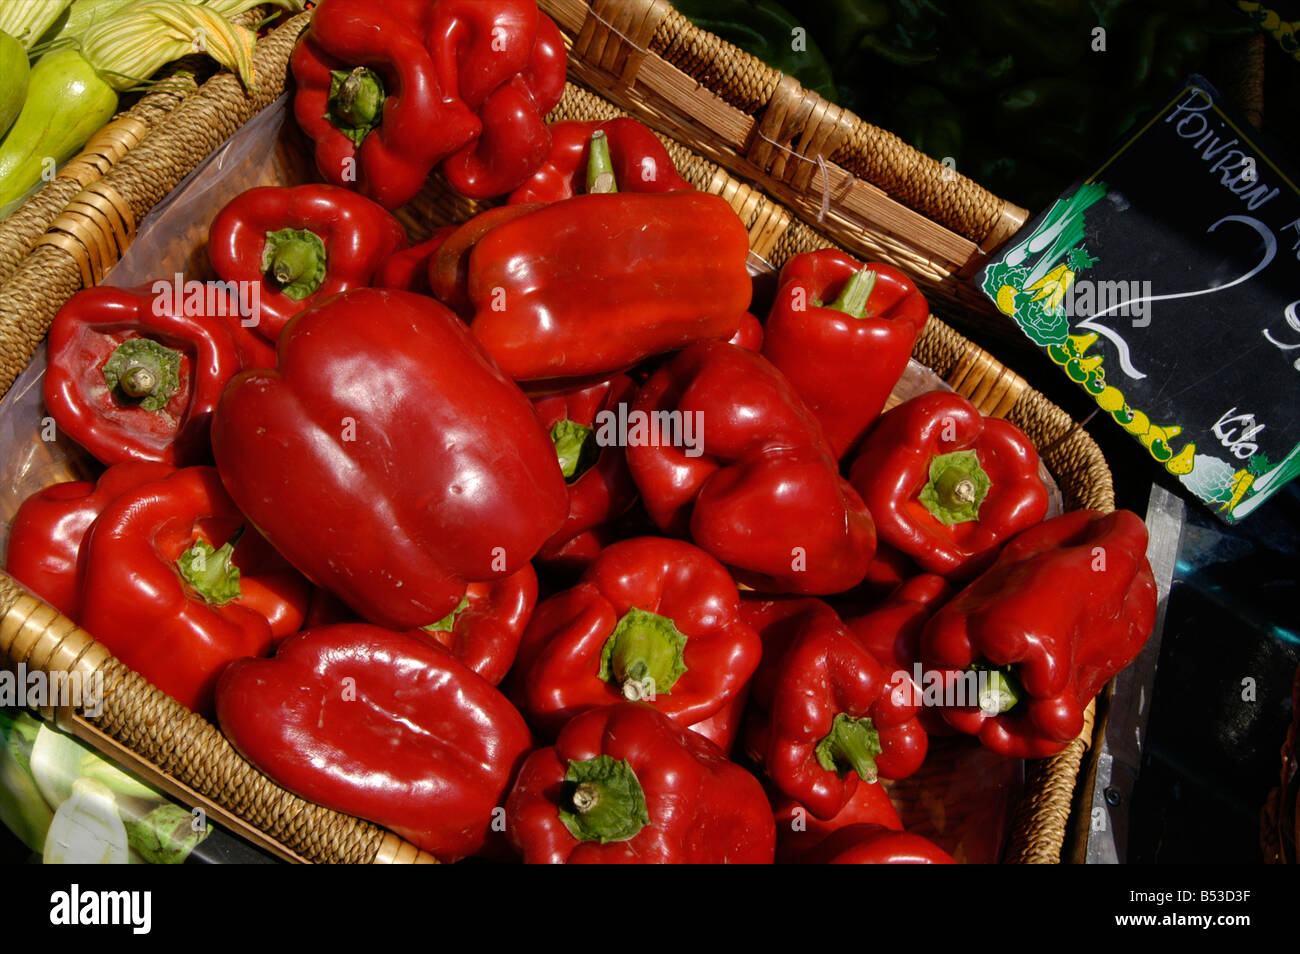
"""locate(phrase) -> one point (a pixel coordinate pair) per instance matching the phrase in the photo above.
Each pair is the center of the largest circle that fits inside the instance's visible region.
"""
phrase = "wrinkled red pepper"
(383, 725)
(822, 719)
(300, 244)
(484, 630)
(948, 486)
(877, 845)
(596, 283)
(177, 585)
(756, 486)
(625, 785)
(130, 379)
(595, 470)
(842, 332)
(637, 161)
(388, 458)
(371, 98)
(799, 831)
(1067, 604)
(47, 531)
(408, 270)
(651, 619)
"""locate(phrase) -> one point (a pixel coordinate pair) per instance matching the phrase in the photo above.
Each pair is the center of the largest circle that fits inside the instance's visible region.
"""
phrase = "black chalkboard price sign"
(1167, 284)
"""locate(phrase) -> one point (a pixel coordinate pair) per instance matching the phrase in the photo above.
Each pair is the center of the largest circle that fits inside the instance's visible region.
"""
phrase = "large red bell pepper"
(822, 719)
(596, 283)
(948, 486)
(131, 377)
(384, 725)
(634, 157)
(625, 785)
(1068, 604)
(388, 458)
(177, 585)
(484, 630)
(47, 531)
(369, 95)
(877, 845)
(600, 485)
(756, 486)
(651, 619)
(300, 245)
(842, 332)
(799, 831)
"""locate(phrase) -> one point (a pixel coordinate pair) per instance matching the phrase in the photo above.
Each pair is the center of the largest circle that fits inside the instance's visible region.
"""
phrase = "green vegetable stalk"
(14, 76)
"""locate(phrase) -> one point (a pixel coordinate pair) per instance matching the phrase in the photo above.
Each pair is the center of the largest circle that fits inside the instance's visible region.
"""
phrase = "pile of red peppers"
(527, 539)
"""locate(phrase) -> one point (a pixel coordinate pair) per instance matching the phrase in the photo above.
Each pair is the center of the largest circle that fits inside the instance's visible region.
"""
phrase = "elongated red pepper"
(1068, 604)
(877, 845)
(369, 95)
(47, 531)
(506, 62)
(166, 587)
(623, 784)
(388, 458)
(384, 725)
(449, 266)
(842, 332)
(822, 718)
(301, 244)
(799, 831)
(600, 485)
(484, 631)
(596, 283)
(652, 619)
(755, 483)
(408, 270)
(948, 486)
(129, 379)
(637, 162)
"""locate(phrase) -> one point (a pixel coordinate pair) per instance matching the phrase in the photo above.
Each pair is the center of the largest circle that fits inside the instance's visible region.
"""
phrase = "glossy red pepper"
(130, 378)
(1068, 604)
(506, 62)
(799, 831)
(408, 270)
(47, 531)
(842, 332)
(449, 266)
(370, 97)
(596, 283)
(388, 458)
(300, 245)
(750, 334)
(748, 473)
(652, 619)
(383, 725)
(623, 784)
(637, 160)
(948, 486)
(177, 585)
(877, 845)
(822, 719)
(484, 631)
(600, 485)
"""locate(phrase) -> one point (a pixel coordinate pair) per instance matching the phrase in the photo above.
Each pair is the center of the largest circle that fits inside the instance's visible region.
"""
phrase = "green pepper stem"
(644, 655)
(852, 299)
(295, 260)
(602, 800)
(586, 797)
(144, 371)
(851, 742)
(1001, 691)
(210, 572)
(138, 382)
(957, 487)
(360, 98)
(600, 165)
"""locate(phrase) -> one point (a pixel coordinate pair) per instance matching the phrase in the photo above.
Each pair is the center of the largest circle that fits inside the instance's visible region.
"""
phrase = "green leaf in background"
(165, 836)
(22, 808)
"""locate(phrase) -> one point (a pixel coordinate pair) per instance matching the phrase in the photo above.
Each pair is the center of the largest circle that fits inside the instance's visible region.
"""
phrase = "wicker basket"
(800, 172)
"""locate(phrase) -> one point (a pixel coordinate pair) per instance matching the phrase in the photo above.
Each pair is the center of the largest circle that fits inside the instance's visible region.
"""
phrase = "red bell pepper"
(822, 718)
(506, 62)
(371, 98)
(877, 845)
(623, 784)
(596, 283)
(1068, 604)
(799, 831)
(47, 531)
(176, 586)
(600, 485)
(948, 486)
(750, 334)
(300, 244)
(130, 379)
(842, 332)
(383, 725)
(484, 630)
(652, 619)
(388, 458)
(634, 157)
(449, 266)
(408, 270)
(756, 486)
